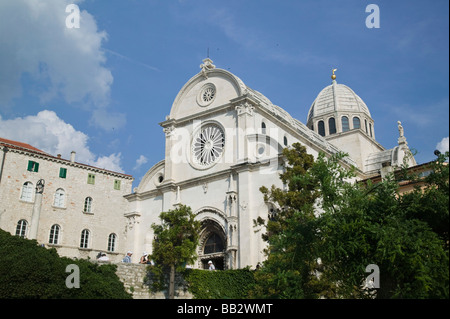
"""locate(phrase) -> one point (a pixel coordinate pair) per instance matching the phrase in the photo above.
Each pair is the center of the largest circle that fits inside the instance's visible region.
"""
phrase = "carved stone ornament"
(245, 108)
(400, 129)
(40, 186)
(232, 198)
(131, 221)
(169, 130)
(207, 65)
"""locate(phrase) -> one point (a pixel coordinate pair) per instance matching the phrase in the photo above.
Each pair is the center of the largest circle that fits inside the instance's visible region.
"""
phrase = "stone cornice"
(171, 186)
(67, 162)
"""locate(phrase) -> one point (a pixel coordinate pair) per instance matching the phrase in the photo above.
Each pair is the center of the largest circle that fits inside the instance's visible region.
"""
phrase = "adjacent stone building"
(76, 208)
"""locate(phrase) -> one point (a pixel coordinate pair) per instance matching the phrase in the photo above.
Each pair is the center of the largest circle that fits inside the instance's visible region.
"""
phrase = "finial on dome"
(333, 76)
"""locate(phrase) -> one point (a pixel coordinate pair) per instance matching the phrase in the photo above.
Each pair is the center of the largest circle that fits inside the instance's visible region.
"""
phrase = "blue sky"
(102, 89)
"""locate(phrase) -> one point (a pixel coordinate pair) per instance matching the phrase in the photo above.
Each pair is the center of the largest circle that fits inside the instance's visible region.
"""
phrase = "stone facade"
(62, 211)
(223, 142)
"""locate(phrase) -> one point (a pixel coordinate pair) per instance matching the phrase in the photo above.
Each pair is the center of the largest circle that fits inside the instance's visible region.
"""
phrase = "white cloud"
(48, 132)
(111, 162)
(443, 145)
(140, 161)
(59, 61)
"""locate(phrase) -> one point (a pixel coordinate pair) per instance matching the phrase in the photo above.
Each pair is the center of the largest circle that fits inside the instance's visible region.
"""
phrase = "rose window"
(207, 94)
(207, 146)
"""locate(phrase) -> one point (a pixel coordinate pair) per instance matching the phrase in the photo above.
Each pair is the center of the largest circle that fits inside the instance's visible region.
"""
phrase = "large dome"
(337, 98)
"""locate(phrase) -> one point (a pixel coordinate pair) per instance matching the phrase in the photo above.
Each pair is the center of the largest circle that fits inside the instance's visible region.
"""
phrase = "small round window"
(206, 95)
(158, 179)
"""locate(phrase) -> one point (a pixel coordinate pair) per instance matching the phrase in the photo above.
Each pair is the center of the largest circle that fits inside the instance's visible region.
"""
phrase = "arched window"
(263, 128)
(285, 141)
(214, 244)
(345, 124)
(59, 198)
(27, 192)
(272, 212)
(370, 129)
(356, 123)
(54, 235)
(88, 205)
(332, 125)
(84, 242)
(112, 242)
(365, 122)
(21, 229)
(321, 128)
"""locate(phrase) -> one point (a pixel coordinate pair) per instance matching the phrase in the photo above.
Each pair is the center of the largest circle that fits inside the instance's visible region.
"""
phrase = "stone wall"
(137, 281)
(106, 216)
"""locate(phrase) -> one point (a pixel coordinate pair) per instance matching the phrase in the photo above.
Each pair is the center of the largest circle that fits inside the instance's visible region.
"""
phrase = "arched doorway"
(212, 245)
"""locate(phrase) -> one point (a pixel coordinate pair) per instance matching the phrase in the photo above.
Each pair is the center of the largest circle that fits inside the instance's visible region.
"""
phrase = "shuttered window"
(91, 179)
(63, 172)
(33, 166)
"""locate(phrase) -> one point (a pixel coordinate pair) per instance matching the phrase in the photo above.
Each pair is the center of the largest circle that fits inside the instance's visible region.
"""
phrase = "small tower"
(343, 119)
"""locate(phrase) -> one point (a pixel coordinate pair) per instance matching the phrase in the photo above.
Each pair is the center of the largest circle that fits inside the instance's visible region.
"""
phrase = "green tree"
(290, 232)
(176, 240)
(430, 202)
(373, 227)
(30, 271)
(328, 229)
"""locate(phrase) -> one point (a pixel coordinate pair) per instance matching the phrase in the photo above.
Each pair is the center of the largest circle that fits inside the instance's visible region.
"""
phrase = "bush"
(227, 284)
(30, 271)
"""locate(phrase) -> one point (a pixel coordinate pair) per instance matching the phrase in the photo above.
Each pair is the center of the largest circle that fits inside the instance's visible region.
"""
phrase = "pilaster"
(36, 210)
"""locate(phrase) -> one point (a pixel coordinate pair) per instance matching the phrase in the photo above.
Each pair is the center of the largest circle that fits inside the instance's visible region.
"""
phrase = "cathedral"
(223, 141)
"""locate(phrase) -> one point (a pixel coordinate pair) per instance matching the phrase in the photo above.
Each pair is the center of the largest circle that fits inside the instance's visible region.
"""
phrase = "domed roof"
(337, 97)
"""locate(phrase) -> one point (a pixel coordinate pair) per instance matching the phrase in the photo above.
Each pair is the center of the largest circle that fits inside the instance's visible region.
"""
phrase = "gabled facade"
(223, 142)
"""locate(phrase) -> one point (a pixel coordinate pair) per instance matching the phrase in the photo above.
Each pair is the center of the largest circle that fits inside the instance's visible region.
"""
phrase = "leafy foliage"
(328, 229)
(291, 232)
(227, 284)
(176, 240)
(30, 271)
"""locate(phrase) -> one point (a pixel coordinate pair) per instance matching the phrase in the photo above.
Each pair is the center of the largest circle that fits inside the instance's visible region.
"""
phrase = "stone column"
(169, 131)
(36, 210)
(232, 223)
(133, 234)
(244, 111)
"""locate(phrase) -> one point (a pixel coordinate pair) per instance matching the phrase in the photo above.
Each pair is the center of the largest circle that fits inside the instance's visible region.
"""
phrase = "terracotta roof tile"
(20, 145)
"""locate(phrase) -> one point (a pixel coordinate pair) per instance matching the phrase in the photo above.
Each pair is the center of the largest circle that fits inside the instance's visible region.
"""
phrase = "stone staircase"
(137, 282)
